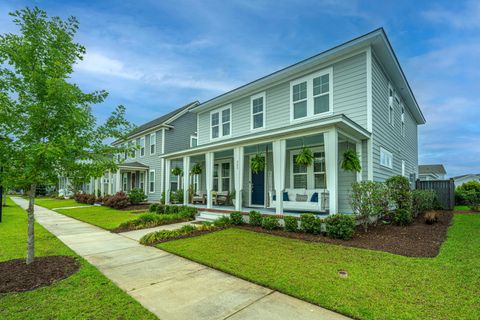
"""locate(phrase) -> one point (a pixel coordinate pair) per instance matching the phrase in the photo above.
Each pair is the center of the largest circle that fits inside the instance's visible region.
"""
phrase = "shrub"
(255, 218)
(369, 199)
(340, 226)
(222, 222)
(473, 200)
(310, 224)
(149, 220)
(400, 192)
(90, 199)
(462, 192)
(422, 200)
(403, 217)
(291, 223)
(236, 218)
(153, 207)
(118, 201)
(136, 196)
(270, 223)
(165, 235)
(431, 217)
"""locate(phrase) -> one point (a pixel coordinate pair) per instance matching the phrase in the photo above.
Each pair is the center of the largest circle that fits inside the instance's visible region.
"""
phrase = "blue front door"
(258, 188)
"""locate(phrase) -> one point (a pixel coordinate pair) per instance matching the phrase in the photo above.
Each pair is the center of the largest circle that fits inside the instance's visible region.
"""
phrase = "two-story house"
(353, 96)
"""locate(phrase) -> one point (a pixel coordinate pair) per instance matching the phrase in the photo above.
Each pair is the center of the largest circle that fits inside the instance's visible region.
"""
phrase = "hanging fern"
(196, 169)
(257, 163)
(305, 157)
(177, 171)
(351, 162)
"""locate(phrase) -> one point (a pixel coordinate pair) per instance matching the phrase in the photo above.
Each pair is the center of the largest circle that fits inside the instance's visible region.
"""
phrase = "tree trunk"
(4, 197)
(31, 224)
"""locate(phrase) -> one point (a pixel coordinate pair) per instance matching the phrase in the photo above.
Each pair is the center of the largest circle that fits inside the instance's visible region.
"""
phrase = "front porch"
(227, 182)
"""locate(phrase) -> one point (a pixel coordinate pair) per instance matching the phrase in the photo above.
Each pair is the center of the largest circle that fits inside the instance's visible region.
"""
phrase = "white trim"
(403, 168)
(370, 159)
(310, 97)
(221, 123)
(140, 150)
(391, 109)
(402, 119)
(163, 141)
(388, 161)
(369, 90)
(220, 177)
(154, 144)
(150, 181)
(192, 137)
(264, 111)
(358, 149)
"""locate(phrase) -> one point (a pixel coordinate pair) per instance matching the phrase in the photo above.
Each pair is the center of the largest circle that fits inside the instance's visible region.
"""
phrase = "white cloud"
(98, 63)
(468, 17)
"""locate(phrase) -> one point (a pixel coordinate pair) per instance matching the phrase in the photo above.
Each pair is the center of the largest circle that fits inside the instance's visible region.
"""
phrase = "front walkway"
(170, 286)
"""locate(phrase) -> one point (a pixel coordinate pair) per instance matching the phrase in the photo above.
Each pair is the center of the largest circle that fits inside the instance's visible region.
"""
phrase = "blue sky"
(154, 56)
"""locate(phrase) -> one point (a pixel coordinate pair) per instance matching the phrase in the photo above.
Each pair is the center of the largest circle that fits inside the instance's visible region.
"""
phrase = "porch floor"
(262, 210)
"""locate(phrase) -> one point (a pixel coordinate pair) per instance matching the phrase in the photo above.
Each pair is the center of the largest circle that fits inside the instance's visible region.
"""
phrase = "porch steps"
(210, 216)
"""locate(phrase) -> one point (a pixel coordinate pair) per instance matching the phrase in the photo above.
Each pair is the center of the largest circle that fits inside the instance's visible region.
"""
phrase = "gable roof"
(467, 175)
(377, 39)
(431, 168)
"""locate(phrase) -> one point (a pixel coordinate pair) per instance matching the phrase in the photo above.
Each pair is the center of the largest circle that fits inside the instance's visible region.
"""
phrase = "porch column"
(118, 181)
(102, 185)
(279, 160)
(145, 182)
(167, 181)
(331, 166)
(358, 148)
(110, 182)
(238, 176)
(162, 175)
(209, 177)
(186, 179)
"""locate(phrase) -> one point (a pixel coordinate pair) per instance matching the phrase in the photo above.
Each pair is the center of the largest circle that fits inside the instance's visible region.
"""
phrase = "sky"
(155, 56)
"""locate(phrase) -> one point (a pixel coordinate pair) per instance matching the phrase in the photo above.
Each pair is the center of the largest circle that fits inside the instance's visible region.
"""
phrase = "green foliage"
(150, 220)
(422, 200)
(467, 192)
(236, 218)
(255, 218)
(305, 157)
(176, 196)
(309, 223)
(136, 196)
(270, 223)
(369, 200)
(177, 171)
(291, 223)
(257, 164)
(350, 161)
(196, 169)
(400, 191)
(340, 226)
(153, 207)
(166, 235)
(403, 217)
(118, 201)
(472, 199)
(223, 221)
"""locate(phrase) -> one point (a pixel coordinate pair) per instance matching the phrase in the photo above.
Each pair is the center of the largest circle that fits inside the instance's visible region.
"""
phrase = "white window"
(142, 146)
(403, 167)
(141, 180)
(311, 177)
(220, 122)
(311, 95)
(257, 103)
(391, 95)
(222, 176)
(151, 181)
(403, 120)
(386, 158)
(153, 143)
(193, 141)
(195, 181)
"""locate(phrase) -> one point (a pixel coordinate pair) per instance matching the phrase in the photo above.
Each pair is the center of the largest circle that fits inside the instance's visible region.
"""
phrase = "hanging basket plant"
(196, 169)
(177, 171)
(304, 158)
(351, 162)
(257, 163)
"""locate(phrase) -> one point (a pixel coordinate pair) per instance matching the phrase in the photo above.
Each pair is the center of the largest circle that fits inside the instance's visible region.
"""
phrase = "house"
(144, 168)
(459, 180)
(354, 96)
(431, 172)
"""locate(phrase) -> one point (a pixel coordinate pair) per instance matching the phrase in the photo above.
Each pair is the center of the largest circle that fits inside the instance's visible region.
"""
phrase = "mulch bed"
(416, 240)
(17, 276)
(141, 206)
(467, 212)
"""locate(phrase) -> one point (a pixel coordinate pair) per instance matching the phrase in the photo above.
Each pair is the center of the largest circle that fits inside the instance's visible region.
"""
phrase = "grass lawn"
(85, 295)
(51, 203)
(461, 208)
(379, 286)
(103, 217)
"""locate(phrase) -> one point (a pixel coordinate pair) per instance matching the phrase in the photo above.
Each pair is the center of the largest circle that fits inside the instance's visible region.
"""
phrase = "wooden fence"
(445, 190)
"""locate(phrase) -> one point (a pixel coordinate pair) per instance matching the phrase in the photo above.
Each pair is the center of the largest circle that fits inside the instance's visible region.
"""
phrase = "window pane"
(258, 105)
(319, 162)
(298, 168)
(225, 169)
(321, 104)
(300, 110)
(320, 85)
(215, 132)
(215, 184)
(226, 129)
(300, 181)
(258, 121)
(215, 119)
(226, 184)
(320, 181)
(226, 115)
(299, 91)
(215, 170)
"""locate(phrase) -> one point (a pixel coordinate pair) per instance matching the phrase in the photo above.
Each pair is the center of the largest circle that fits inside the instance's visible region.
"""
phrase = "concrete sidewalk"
(169, 286)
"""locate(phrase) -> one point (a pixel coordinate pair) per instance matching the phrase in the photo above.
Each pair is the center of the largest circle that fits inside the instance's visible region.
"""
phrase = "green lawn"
(56, 203)
(85, 295)
(103, 217)
(462, 208)
(379, 286)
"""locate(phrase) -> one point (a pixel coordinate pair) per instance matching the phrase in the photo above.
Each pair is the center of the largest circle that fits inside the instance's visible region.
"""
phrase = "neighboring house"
(145, 167)
(431, 172)
(459, 180)
(354, 95)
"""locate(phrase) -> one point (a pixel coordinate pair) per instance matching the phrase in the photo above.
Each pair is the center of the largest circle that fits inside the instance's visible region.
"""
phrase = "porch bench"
(294, 203)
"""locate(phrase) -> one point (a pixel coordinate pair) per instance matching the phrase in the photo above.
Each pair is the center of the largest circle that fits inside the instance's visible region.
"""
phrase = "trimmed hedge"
(291, 223)
(236, 218)
(309, 223)
(340, 226)
(255, 218)
(270, 223)
(150, 220)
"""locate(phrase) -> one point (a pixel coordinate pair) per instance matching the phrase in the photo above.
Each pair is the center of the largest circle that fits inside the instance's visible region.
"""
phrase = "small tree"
(48, 118)
(368, 200)
(400, 192)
